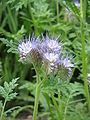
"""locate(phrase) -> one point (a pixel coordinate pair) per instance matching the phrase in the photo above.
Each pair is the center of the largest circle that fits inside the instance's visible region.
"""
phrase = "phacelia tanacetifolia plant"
(46, 55)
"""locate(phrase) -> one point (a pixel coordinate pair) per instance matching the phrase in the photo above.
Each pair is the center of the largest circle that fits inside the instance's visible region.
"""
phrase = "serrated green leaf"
(6, 87)
(7, 90)
(3, 92)
(11, 96)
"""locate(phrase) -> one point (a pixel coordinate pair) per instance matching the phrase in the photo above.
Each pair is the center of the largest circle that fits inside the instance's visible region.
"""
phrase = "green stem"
(56, 107)
(3, 110)
(38, 86)
(36, 102)
(60, 105)
(12, 20)
(57, 11)
(33, 19)
(48, 100)
(66, 107)
(84, 6)
(84, 64)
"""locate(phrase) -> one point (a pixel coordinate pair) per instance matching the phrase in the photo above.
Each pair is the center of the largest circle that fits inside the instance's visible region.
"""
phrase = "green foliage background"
(19, 18)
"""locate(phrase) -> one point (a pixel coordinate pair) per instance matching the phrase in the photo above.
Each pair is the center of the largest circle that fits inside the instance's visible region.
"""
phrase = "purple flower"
(47, 54)
(49, 60)
(51, 57)
(26, 46)
(67, 63)
(64, 68)
(50, 45)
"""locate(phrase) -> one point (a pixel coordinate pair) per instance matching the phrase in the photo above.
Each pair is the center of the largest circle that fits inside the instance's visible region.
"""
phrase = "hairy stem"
(84, 64)
(36, 102)
(60, 104)
(3, 110)
(56, 107)
(84, 6)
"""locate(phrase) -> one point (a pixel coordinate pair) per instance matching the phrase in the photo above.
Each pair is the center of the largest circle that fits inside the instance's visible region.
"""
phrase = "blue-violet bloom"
(50, 45)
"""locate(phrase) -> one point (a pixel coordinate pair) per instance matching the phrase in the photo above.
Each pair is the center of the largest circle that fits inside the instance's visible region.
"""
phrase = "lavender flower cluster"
(46, 53)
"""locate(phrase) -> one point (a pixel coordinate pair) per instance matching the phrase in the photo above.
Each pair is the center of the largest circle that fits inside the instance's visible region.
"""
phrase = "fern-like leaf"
(7, 91)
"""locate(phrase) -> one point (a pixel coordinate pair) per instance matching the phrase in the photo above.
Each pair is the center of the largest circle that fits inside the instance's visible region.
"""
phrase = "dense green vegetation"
(62, 19)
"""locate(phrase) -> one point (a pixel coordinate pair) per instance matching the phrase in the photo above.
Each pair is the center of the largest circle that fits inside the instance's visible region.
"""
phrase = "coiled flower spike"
(64, 68)
(29, 52)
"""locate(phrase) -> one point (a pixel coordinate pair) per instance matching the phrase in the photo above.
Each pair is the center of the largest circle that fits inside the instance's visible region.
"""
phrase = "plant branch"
(84, 64)
(3, 110)
(36, 101)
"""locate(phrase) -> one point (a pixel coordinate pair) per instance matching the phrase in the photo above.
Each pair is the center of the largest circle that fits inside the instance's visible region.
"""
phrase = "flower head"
(51, 57)
(64, 68)
(28, 48)
(25, 47)
(50, 45)
(67, 63)
(49, 60)
(47, 54)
